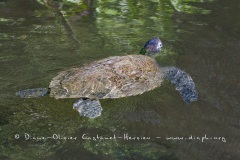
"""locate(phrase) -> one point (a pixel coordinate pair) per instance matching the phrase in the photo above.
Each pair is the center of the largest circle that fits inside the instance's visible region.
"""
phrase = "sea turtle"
(114, 77)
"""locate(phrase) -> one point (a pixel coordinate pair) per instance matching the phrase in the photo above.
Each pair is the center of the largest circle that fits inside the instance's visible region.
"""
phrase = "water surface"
(201, 37)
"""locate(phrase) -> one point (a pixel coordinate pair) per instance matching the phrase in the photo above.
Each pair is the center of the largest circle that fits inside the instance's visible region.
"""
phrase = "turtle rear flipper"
(33, 93)
(183, 82)
(90, 108)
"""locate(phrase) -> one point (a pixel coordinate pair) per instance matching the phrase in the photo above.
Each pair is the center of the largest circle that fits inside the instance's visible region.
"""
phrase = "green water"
(200, 37)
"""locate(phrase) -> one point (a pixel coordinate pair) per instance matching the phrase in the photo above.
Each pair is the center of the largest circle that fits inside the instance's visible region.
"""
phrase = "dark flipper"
(183, 82)
(88, 107)
(33, 93)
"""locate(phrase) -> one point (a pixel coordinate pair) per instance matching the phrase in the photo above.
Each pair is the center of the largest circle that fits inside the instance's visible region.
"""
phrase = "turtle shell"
(112, 77)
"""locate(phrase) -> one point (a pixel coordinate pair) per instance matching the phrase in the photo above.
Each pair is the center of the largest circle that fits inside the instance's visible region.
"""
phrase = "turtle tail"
(33, 93)
(183, 82)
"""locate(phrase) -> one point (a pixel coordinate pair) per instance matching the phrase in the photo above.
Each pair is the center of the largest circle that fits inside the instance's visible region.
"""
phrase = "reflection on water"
(201, 37)
(185, 7)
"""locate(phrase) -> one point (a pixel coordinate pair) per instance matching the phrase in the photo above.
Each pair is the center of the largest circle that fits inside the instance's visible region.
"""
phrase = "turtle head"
(152, 47)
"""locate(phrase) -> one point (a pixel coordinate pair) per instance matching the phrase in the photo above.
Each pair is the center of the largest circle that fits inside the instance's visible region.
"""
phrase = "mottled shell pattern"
(113, 77)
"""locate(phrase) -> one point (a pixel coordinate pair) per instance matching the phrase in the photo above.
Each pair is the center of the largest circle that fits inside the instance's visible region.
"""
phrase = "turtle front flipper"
(33, 93)
(90, 108)
(183, 82)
